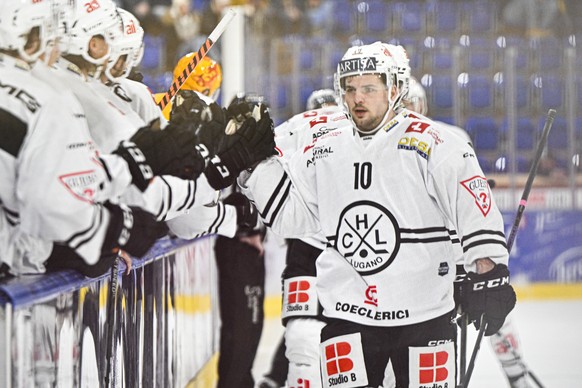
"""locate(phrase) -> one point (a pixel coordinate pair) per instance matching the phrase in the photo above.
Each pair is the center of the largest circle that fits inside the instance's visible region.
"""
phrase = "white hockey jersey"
(383, 202)
(50, 174)
(112, 120)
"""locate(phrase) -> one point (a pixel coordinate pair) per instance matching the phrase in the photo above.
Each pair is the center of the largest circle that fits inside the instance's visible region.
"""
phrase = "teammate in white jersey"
(383, 184)
(126, 53)
(52, 176)
(301, 316)
(505, 343)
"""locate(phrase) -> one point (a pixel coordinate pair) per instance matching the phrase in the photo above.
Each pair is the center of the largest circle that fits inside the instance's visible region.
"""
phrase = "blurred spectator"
(318, 13)
(289, 18)
(537, 18)
(187, 25)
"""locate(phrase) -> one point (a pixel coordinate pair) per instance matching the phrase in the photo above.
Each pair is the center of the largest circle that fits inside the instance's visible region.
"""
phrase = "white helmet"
(129, 44)
(18, 18)
(321, 97)
(417, 97)
(89, 19)
(403, 64)
(374, 58)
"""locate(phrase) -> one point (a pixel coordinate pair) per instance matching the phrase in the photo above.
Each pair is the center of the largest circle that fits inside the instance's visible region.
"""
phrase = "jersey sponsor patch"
(417, 126)
(82, 184)
(432, 366)
(478, 187)
(368, 237)
(299, 297)
(342, 362)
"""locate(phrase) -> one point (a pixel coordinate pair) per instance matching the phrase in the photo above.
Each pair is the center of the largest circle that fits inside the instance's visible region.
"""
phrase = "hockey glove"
(63, 257)
(208, 121)
(252, 143)
(246, 213)
(238, 112)
(489, 293)
(171, 151)
(132, 229)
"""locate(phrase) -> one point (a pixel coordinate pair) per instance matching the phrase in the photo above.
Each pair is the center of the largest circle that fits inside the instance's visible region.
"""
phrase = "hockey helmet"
(206, 77)
(130, 45)
(318, 98)
(374, 58)
(18, 18)
(89, 19)
(416, 99)
(403, 68)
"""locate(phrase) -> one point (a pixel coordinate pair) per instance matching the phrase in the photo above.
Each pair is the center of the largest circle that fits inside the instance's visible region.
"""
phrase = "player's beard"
(367, 122)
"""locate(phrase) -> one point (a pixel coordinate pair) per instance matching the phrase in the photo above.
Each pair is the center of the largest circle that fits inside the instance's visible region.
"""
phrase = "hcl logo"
(92, 6)
(337, 360)
(297, 292)
(431, 367)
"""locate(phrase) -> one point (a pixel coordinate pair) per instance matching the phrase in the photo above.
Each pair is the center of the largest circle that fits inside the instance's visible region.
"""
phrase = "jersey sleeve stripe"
(280, 205)
(483, 242)
(188, 197)
(276, 192)
(221, 214)
(82, 238)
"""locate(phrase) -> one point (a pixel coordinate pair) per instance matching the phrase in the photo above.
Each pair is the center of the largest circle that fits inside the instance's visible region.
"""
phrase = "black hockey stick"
(521, 208)
(201, 53)
(111, 323)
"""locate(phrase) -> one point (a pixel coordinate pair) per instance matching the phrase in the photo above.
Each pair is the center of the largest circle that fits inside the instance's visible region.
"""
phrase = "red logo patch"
(371, 296)
(417, 126)
(431, 367)
(479, 189)
(336, 359)
(297, 292)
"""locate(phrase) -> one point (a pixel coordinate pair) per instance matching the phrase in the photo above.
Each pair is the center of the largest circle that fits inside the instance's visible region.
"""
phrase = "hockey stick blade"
(520, 210)
(201, 53)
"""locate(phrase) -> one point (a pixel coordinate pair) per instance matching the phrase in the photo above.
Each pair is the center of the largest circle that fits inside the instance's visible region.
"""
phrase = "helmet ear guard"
(100, 20)
(18, 19)
(129, 44)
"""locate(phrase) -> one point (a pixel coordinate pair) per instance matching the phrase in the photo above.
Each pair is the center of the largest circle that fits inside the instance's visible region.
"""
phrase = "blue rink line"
(26, 290)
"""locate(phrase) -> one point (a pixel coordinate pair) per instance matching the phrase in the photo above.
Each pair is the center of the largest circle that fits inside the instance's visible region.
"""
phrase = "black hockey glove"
(208, 121)
(252, 143)
(489, 293)
(238, 111)
(246, 213)
(132, 229)
(171, 151)
(63, 257)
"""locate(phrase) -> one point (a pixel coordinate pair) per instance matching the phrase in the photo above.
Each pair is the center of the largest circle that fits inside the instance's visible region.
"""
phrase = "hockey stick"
(521, 208)
(111, 322)
(202, 51)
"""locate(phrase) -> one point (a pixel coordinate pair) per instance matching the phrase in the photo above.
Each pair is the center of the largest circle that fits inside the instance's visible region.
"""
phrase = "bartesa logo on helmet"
(358, 64)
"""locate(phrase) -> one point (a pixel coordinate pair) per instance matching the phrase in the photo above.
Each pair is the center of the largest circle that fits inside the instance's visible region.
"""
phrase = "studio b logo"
(298, 292)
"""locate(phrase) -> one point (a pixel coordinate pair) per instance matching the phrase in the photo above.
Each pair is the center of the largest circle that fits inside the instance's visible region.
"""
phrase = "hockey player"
(505, 342)
(301, 316)
(383, 185)
(52, 175)
(126, 53)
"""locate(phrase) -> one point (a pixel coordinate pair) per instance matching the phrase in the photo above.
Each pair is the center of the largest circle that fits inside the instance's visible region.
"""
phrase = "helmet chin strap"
(391, 108)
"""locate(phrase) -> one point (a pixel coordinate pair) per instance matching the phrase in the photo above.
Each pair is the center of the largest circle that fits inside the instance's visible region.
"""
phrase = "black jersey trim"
(481, 233)
(12, 133)
(274, 195)
(220, 216)
(483, 242)
(188, 198)
(279, 205)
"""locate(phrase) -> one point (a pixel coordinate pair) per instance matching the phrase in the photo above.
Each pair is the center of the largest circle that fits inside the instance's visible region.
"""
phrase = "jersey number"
(362, 175)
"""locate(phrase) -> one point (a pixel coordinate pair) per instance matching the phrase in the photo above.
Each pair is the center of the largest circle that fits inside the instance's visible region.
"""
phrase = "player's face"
(367, 100)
